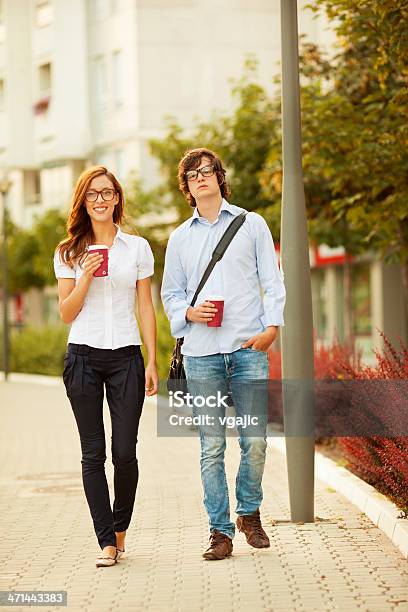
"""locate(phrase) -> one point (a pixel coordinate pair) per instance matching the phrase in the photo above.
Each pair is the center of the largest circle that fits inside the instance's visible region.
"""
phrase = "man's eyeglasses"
(192, 175)
(107, 195)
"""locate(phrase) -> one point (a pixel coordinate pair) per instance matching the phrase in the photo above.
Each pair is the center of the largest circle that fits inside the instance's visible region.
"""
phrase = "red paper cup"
(103, 250)
(218, 302)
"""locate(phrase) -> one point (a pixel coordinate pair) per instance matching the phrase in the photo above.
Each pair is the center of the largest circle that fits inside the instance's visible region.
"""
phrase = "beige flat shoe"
(120, 553)
(106, 561)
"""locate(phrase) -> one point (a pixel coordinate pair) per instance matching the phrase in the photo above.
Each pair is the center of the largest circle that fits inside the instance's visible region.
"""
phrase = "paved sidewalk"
(342, 562)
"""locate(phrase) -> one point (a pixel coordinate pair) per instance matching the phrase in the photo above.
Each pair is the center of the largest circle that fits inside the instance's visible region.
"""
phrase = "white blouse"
(107, 319)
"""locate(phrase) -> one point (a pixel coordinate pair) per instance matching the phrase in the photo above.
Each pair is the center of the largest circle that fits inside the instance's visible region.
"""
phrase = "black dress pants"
(86, 371)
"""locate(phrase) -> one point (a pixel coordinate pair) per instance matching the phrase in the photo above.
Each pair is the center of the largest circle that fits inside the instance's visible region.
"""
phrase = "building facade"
(91, 81)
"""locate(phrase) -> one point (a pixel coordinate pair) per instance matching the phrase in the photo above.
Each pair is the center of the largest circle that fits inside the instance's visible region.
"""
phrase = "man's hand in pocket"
(262, 341)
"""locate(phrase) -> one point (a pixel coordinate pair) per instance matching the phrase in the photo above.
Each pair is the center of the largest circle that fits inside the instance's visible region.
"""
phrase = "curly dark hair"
(190, 161)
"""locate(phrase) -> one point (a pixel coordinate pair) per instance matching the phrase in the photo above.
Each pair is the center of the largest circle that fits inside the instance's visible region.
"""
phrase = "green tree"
(22, 248)
(356, 129)
(48, 230)
(30, 251)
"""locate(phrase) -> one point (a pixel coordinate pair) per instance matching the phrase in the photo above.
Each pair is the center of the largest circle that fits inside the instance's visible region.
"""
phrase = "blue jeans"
(238, 372)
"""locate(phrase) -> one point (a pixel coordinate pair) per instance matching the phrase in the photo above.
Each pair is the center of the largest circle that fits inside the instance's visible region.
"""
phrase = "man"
(223, 358)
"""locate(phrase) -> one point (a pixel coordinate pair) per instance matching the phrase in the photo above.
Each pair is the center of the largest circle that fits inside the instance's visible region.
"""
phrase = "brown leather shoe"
(250, 524)
(220, 547)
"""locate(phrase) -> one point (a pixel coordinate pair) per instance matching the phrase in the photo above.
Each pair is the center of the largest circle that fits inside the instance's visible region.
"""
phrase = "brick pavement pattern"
(341, 562)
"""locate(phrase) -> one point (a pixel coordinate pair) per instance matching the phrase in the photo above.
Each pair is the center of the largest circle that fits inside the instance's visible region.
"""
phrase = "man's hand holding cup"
(209, 312)
(201, 314)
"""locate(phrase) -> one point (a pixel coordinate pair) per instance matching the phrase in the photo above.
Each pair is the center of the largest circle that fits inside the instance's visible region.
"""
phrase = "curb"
(382, 512)
(38, 379)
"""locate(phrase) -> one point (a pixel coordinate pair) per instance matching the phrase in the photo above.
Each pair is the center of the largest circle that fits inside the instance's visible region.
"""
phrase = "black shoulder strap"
(220, 250)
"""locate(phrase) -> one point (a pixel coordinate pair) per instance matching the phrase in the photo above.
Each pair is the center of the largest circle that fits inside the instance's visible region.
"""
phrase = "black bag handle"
(219, 250)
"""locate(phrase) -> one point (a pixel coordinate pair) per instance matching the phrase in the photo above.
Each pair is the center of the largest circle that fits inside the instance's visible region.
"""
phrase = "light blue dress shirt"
(249, 265)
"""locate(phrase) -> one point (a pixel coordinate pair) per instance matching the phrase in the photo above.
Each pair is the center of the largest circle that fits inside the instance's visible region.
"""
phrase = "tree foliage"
(30, 251)
(355, 124)
(354, 130)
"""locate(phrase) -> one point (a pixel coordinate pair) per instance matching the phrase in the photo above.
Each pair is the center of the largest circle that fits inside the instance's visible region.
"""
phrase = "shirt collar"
(120, 235)
(229, 208)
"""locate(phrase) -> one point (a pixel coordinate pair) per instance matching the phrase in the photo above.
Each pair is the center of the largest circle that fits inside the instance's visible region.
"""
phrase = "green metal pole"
(4, 188)
(297, 334)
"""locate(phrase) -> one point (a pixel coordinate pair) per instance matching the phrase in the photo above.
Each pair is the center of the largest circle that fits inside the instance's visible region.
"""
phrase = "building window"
(44, 79)
(2, 95)
(2, 21)
(99, 9)
(360, 298)
(118, 78)
(319, 301)
(44, 13)
(340, 302)
(36, 186)
(32, 187)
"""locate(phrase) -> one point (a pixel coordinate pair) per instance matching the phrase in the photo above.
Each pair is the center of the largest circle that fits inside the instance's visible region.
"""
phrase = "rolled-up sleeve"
(173, 291)
(270, 276)
(61, 269)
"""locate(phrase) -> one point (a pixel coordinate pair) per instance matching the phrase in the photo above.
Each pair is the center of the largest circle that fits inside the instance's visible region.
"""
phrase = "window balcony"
(41, 105)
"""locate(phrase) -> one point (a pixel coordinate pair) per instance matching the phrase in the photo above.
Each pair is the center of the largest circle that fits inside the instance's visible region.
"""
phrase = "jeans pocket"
(259, 351)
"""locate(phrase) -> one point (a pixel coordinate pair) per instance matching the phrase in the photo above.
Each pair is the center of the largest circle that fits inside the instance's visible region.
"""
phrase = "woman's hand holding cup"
(91, 264)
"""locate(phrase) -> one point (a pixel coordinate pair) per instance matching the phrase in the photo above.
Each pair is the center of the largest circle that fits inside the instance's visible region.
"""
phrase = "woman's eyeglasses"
(107, 195)
(192, 175)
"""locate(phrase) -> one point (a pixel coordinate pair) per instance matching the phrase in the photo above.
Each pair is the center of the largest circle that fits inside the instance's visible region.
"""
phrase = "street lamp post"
(5, 185)
(297, 335)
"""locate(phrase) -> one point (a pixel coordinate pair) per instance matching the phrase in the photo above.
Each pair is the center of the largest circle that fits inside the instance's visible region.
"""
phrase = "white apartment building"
(90, 81)
(85, 81)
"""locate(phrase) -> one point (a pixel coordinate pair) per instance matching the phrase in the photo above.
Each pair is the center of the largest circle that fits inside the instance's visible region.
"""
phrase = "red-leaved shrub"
(380, 461)
(328, 361)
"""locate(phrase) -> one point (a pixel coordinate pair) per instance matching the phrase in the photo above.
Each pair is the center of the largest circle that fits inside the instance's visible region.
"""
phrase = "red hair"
(79, 226)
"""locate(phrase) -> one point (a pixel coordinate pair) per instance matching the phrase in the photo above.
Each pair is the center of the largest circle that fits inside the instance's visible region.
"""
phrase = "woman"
(104, 347)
